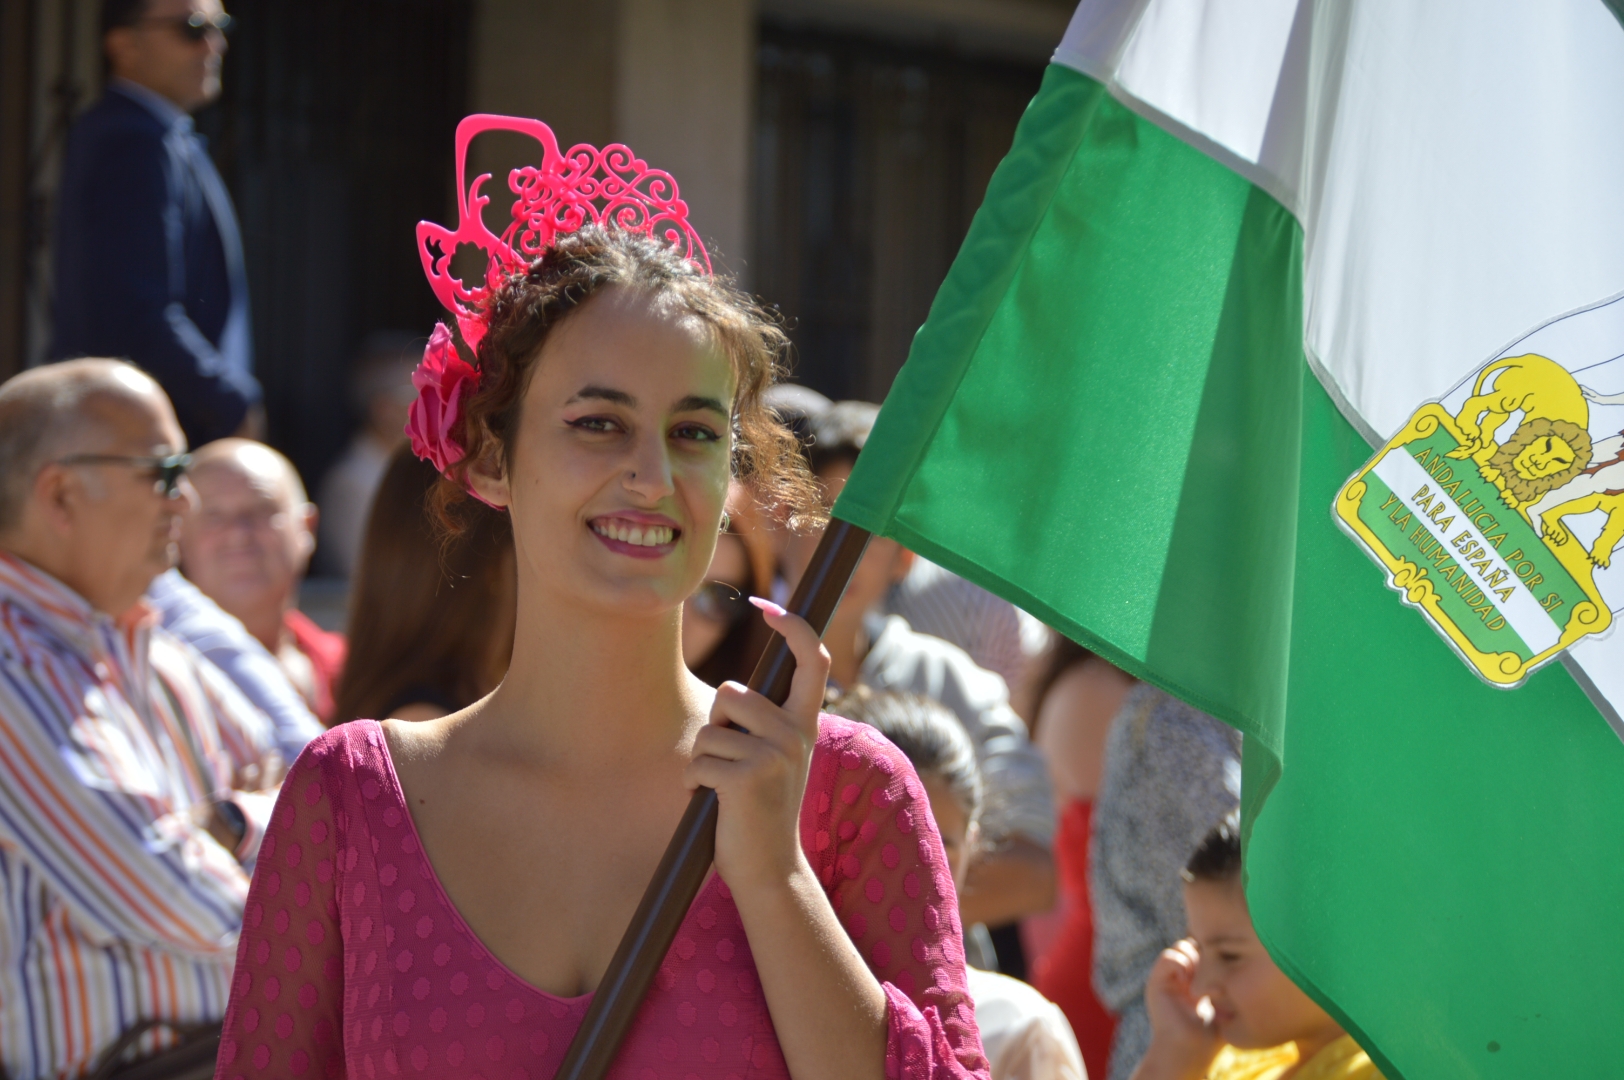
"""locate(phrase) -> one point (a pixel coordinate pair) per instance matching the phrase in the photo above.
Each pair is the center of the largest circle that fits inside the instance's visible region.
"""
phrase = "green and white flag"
(1284, 366)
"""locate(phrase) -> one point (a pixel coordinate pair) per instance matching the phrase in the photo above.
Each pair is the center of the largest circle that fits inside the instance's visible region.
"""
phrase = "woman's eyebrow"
(697, 403)
(603, 393)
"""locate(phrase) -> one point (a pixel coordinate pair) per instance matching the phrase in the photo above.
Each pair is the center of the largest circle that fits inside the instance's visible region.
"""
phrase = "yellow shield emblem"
(1498, 510)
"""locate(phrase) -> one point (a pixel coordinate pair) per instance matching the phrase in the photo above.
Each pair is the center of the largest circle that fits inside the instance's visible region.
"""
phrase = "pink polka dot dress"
(354, 963)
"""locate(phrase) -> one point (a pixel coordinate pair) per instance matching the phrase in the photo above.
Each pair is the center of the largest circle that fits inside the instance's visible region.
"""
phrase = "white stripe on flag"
(1446, 206)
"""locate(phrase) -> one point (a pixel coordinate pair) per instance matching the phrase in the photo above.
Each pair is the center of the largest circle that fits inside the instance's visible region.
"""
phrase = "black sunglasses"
(717, 601)
(193, 27)
(166, 471)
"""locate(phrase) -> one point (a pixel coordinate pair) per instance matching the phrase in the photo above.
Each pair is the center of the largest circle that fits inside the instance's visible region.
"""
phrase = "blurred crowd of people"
(157, 675)
(1070, 797)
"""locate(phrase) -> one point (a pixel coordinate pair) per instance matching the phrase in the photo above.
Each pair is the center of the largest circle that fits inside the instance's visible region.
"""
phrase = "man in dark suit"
(148, 259)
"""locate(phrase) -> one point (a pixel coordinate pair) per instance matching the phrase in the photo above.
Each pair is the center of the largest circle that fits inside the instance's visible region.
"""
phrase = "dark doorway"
(870, 160)
(334, 133)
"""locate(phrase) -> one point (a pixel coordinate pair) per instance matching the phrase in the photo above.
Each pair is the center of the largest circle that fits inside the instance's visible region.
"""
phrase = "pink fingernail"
(768, 606)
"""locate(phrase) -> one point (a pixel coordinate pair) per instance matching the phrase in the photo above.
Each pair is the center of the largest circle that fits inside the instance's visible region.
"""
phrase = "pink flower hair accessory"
(443, 379)
(565, 191)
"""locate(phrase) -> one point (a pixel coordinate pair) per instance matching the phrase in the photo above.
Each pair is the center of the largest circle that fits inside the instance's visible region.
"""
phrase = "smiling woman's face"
(620, 464)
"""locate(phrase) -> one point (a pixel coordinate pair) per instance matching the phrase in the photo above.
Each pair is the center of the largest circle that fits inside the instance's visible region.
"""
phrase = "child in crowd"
(1025, 1036)
(1261, 1026)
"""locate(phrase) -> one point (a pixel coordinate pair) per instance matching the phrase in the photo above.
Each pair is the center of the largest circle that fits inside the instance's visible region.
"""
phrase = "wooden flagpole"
(687, 857)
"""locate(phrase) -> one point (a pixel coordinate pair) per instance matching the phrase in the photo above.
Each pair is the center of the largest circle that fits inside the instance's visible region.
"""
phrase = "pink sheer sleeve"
(288, 988)
(866, 826)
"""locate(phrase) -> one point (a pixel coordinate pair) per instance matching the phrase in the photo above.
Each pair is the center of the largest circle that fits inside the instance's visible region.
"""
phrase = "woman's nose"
(649, 472)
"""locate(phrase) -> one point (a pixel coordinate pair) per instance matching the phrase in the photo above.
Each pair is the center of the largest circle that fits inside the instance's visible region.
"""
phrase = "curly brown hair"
(529, 305)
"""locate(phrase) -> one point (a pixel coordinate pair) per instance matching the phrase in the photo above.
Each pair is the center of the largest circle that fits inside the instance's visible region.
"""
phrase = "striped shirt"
(115, 906)
(998, 635)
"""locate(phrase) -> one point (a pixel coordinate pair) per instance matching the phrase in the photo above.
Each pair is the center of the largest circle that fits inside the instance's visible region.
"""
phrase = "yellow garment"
(1341, 1060)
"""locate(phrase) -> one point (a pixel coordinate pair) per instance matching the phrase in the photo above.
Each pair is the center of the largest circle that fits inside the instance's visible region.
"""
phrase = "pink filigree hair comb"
(567, 190)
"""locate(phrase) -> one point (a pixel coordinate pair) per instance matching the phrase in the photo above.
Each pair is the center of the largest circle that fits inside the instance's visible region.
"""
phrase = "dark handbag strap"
(193, 1059)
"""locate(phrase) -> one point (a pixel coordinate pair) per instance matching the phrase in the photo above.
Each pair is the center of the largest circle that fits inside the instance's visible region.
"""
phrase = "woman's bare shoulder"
(418, 711)
(412, 740)
(1074, 722)
(1090, 691)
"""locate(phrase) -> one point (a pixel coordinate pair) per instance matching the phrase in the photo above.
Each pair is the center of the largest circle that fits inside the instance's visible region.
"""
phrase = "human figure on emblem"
(1599, 487)
(444, 896)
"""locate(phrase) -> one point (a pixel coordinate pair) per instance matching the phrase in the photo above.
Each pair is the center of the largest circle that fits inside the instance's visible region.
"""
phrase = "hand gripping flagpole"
(687, 857)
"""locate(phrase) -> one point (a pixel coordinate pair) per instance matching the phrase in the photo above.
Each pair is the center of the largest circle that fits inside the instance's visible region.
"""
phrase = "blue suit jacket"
(145, 269)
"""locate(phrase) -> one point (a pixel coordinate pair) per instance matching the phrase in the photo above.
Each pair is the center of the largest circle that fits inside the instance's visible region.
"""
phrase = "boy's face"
(1254, 1004)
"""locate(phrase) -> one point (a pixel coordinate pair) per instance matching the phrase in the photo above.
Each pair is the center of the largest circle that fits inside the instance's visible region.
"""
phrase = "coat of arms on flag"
(1497, 510)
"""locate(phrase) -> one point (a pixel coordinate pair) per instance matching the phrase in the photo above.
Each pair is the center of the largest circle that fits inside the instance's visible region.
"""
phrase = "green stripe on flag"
(1108, 419)
(1122, 265)
(1439, 863)
(1229, 565)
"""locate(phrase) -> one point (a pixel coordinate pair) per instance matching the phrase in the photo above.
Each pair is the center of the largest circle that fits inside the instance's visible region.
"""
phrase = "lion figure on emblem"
(1550, 447)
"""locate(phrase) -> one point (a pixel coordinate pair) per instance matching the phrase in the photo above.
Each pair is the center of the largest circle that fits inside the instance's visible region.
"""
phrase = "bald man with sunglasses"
(148, 259)
(135, 780)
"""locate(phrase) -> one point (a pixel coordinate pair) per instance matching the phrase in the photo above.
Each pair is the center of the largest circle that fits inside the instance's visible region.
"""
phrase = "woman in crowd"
(1025, 1036)
(723, 635)
(431, 627)
(1074, 698)
(1170, 771)
(444, 896)
(1260, 1025)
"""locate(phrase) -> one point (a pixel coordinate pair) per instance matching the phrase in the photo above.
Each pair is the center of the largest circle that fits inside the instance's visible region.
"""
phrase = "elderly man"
(222, 638)
(247, 547)
(135, 780)
(148, 259)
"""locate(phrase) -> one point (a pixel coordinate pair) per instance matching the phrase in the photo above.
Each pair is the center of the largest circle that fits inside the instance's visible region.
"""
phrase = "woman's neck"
(585, 686)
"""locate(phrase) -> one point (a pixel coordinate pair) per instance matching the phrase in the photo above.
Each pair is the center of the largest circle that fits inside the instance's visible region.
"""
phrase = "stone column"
(684, 88)
(673, 79)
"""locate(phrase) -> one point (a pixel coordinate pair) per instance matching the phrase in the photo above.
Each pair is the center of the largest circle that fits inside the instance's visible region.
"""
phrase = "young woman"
(722, 633)
(1075, 697)
(442, 897)
(431, 630)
